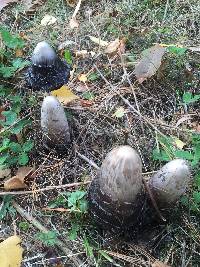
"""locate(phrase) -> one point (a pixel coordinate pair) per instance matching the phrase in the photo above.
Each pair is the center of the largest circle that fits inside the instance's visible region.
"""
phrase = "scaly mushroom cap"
(44, 55)
(170, 182)
(47, 72)
(54, 123)
(121, 174)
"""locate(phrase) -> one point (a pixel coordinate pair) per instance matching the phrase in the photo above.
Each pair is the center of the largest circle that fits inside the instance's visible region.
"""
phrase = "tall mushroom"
(47, 71)
(54, 123)
(115, 195)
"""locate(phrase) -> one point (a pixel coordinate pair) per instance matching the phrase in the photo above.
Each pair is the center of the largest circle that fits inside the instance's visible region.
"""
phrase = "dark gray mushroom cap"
(47, 71)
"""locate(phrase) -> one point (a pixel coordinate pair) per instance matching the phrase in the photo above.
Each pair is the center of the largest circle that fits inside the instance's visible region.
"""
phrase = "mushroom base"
(111, 214)
(48, 78)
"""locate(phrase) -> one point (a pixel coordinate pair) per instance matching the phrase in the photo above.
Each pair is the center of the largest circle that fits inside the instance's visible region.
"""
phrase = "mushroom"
(170, 182)
(115, 195)
(47, 71)
(54, 123)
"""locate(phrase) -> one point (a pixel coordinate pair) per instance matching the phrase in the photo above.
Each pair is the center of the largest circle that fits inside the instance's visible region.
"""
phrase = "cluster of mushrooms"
(117, 194)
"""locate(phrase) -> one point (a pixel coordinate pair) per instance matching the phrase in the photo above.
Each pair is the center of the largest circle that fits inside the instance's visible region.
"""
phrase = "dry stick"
(43, 229)
(44, 189)
(77, 9)
(127, 102)
(91, 162)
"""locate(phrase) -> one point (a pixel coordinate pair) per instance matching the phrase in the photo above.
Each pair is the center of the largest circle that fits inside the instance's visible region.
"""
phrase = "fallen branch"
(53, 187)
(77, 262)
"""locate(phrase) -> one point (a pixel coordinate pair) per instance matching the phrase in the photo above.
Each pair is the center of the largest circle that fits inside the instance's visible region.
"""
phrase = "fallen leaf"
(48, 20)
(64, 95)
(11, 252)
(82, 78)
(18, 53)
(113, 46)
(73, 23)
(86, 103)
(149, 63)
(98, 41)
(4, 3)
(4, 173)
(71, 3)
(159, 264)
(65, 44)
(119, 113)
(17, 181)
(57, 209)
(179, 144)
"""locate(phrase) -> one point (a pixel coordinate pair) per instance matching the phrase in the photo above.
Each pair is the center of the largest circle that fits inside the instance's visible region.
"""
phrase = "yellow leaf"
(98, 41)
(119, 113)
(11, 252)
(179, 144)
(82, 78)
(64, 95)
(48, 20)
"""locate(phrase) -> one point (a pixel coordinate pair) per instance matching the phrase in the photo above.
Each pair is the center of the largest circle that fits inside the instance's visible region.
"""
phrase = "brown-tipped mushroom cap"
(170, 182)
(121, 174)
(54, 123)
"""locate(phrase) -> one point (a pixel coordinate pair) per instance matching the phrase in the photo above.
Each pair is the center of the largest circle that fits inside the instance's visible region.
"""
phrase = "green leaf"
(105, 255)
(3, 158)
(188, 98)
(11, 117)
(88, 248)
(184, 201)
(68, 57)
(23, 159)
(24, 226)
(5, 144)
(18, 127)
(12, 160)
(15, 147)
(196, 197)
(6, 207)
(88, 95)
(119, 113)
(6, 71)
(74, 231)
(11, 41)
(19, 63)
(177, 50)
(74, 197)
(184, 154)
(83, 205)
(27, 146)
(160, 155)
(49, 238)
(93, 76)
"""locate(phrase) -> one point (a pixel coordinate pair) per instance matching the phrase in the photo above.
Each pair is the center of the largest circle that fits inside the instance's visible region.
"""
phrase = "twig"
(77, 9)
(91, 162)
(153, 200)
(53, 187)
(43, 229)
(127, 102)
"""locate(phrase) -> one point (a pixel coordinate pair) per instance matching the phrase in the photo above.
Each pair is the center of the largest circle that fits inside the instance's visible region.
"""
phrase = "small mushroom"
(54, 123)
(115, 195)
(170, 182)
(47, 71)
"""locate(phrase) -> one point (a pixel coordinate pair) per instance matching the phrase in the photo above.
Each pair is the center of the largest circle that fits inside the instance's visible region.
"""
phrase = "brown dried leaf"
(98, 41)
(73, 23)
(4, 3)
(17, 181)
(150, 62)
(159, 264)
(113, 46)
(71, 3)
